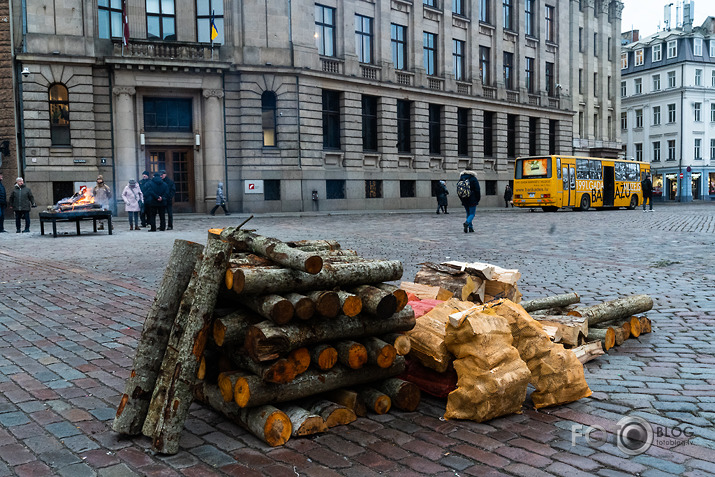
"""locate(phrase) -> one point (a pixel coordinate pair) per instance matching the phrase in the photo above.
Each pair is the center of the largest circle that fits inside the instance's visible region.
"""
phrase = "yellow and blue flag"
(214, 30)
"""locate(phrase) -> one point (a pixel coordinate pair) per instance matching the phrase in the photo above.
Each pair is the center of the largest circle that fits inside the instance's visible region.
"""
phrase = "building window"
(696, 150)
(671, 149)
(697, 46)
(595, 44)
(657, 52)
(533, 135)
(109, 18)
(624, 120)
(712, 50)
(595, 126)
(624, 61)
(435, 128)
(638, 59)
(639, 118)
(268, 118)
(398, 34)
(430, 53)
(656, 82)
(550, 27)
(671, 79)
(331, 119)
(508, 21)
(610, 50)
(697, 108)
(610, 84)
(458, 59)
(490, 187)
(508, 70)
(638, 84)
(462, 132)
(484, 7)
(335, 189)
(656, 115)
(458, 7)
(656, 151)
(712, 145)
(205, 11)
(404, 134)
(698, 77)
(550, 79)
(553, 134)
(639, 151)
(430, 3)
(580, 40)
(272, 189)
(167, 114)
(484, 53)
(369, 123)
(363, 38)
(580, 123)
(511, 135)
(529, 18)
(161, 20)
(59, 115)
(712, 80)
(712, 112)
(325, 30)
(623, 89)
(529, 74)
(671, 113)
(488, 129)
(672, 49)
(407, 188)
(595, 84)
(373, 189)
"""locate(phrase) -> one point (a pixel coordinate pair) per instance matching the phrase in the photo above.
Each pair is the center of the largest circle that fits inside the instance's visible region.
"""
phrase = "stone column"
(125, 137)
(211, 152)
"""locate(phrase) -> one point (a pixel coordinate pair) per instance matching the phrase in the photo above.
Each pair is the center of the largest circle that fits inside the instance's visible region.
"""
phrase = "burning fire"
(83, 199)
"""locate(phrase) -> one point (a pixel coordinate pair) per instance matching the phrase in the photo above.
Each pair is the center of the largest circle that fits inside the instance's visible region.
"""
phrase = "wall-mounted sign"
(79, 161)
(253, 187)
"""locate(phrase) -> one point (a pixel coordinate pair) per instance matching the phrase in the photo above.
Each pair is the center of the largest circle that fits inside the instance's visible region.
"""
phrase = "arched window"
(59, 115)
(268, 113)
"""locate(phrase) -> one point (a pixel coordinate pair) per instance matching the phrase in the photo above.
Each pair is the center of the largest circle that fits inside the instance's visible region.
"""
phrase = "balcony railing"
(534, 100)
(464, 88)
(370, 72)
(167, 50)
(554, 103)
(489, 92)
(435, 83)
(403, 78)
(331, 65)
(512, 96)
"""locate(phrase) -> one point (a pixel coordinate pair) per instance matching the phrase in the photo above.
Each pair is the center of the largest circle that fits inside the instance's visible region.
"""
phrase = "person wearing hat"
(21, 201)
(142, 185)
(155, 200)
(442, 194)
(169, 198)
(133, 197)
(102, 196)
(3, 204)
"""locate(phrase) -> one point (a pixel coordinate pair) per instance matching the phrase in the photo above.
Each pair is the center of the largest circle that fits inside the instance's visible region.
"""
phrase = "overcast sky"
(646, 15)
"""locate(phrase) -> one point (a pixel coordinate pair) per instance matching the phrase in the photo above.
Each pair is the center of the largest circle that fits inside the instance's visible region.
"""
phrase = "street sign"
(253, 187)
(681, 175)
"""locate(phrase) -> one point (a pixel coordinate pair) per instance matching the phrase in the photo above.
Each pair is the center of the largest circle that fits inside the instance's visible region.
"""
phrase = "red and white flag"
(125, 24)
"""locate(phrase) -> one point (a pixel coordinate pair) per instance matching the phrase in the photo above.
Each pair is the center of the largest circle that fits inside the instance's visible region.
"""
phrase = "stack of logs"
(283, 338)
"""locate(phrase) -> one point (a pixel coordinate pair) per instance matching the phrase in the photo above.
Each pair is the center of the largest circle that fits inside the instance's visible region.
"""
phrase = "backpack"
(463, 189)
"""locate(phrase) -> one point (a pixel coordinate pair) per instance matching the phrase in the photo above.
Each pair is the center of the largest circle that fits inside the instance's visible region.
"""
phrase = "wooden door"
(178, 162)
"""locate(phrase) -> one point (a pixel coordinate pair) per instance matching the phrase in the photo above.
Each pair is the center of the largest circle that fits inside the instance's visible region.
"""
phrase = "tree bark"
(230, 330)
(618, 309)
(350, 304)
(375, 301)
(273, 307)
(266, 341)
(172, 394)
(589, 351)
(606, 335)
(303, 306)
(333, 414)
(400, 341)
(349, 399)
(154, 338)
(274, 249)
(376, 401)
(460, 283)
(400, 294)
(404, 394)
(280, 371)
(250, 391)
(351, 354)
(327, 303)
(379, 353)
(315, 244)
(304, 422)
(551, 302)
(324, 356)
(570, 328)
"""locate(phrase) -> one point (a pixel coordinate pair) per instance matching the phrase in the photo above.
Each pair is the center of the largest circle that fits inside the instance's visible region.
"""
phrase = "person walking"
(3, 205)
(102, 195)
(442, 194)
(133, 201)
(220, 200)
(142, 185)
(647, 188)
(169, 200)
(21, 201)
(155, 200)
(469, 193)
(507, 196)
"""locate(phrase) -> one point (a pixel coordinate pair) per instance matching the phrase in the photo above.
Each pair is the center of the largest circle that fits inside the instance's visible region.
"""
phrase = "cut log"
(403, 394)
(400, 341)
(350, 304)
(589, 351)
(464, 286)
(269, 280)
(303, 306)
(606, 335)
(426, 292)
(315, 244)
(154, 338)
(280, 371)
(349, 399)
(635, 326)
(646, 326)
(250, 391)
(619, 309)
(327, 303)
(267, 423)
(551, 302)
(172, 394)
(376, 302)
(351, 354)
(622, 333)
(273, 249)
(304, 422)
(226, 383)
(400, 294)
(570, 328)
(482, 270)
(272, 307)
(324, 356)
(332, 413)
(266, 341)
(231, 329)
(375, 401)
(378, 352)
(301, 359)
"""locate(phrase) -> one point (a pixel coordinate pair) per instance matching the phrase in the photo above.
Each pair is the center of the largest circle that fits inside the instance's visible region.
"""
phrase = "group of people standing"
(144, 200)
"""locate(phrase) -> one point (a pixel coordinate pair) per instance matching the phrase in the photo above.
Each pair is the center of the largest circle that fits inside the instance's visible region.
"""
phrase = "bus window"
(533, 168)
(573, 179)
(565, 180)
(558, 168)
(632, 174)
(596, 170)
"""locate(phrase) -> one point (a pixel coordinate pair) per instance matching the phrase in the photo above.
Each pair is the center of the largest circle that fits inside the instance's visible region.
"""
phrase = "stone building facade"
(303, 105)
(8, 157)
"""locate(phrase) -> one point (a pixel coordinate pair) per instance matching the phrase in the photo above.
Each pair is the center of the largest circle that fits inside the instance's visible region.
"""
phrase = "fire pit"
(79, 207)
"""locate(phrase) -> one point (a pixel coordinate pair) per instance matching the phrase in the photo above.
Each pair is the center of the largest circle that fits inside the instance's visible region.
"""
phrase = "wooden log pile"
(284, 338)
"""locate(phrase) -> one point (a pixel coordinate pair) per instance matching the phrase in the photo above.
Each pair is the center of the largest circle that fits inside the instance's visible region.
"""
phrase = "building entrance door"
(178, 162)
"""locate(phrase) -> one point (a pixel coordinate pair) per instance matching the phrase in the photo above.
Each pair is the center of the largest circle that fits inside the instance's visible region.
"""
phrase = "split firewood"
(607, 336)
(304, 422)
(333, 414)
(266, 341)
(570, 328)
(400, 294)
(403, 394)
(267, 423)
(327, 303)
(589, 351)
(551, 302)
(426, 292)
(301, 359)
(280, 371)
(303, 306)
(351, 354)
(399, 341)
(172, 394)
(375, 401)
(348, 398)
(646, 326)
(315, 244)
(375, 301)
(460, 283)
(273, 249)
(324, 356)
(154, 338)
(231, 329)
(251, 391)
(350, 304)
(484, 271)
(378, 352)
(272, 307)
(618, 309)
(226, 383)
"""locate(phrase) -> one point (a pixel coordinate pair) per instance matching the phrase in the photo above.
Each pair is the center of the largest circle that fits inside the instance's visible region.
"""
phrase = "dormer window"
(639, 57)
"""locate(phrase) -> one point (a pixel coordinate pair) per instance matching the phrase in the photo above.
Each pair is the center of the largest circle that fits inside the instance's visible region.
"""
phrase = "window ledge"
(61, 150)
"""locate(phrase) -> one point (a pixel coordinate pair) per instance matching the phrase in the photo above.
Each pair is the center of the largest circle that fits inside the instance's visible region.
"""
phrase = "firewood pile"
(283, 338)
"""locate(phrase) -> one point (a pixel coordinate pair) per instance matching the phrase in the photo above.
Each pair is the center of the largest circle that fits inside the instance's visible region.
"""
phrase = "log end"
(219, 332)
(352, 306)
(328, 305)
(241, 392)
(201, 372)
(357, 356)
(382, 404)
(387, 306)
(402, 299)
(277, 429)
(304, 308)
(311, 425)
(340, 417)
(314, 264)
(327, 358)
(402, 345)
(282, 312)
(635, 326)
(386, 356)
(301, 359)
(610, 340)
(282, 371)
(225, 386)
(408, 397)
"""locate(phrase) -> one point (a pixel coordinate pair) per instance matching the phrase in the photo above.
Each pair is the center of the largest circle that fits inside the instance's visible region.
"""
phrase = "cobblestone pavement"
(71, 311)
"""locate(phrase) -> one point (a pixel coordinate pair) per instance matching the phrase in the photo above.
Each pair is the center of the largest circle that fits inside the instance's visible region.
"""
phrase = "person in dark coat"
(3, 204)
(442, 194)
(169, 198)
(470, 196)
(142, 207)
(507, 196)
(155, 200)
(21, 201)
(647, 188)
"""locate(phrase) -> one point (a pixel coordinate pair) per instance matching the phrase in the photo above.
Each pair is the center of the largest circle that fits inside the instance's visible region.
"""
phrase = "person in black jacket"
(155, 199)
(647, 188)
(469, 193)
(442, 194)
(507, 196)
(3, 204)
(22, 201)
(143, 216)
(169, 198)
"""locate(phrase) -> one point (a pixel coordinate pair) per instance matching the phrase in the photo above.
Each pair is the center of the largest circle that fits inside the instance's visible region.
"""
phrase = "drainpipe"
(225, 139)
(111, 136)
(297, 92)
(682, 113)
(21, 120)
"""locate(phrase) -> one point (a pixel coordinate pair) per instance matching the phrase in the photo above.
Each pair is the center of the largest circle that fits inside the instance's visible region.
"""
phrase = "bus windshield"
(533, 168)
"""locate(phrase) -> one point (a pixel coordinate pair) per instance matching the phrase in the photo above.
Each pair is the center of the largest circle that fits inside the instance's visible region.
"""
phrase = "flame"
(82, 198)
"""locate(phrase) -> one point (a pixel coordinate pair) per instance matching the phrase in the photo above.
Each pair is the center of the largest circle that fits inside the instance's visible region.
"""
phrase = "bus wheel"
(634, 202)
(585, 202)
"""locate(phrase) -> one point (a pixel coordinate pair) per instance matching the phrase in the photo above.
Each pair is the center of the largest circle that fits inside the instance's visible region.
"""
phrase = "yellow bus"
(553, 182)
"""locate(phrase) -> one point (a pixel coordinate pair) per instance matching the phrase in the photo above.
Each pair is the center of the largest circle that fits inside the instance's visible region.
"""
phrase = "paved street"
(72, 308)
